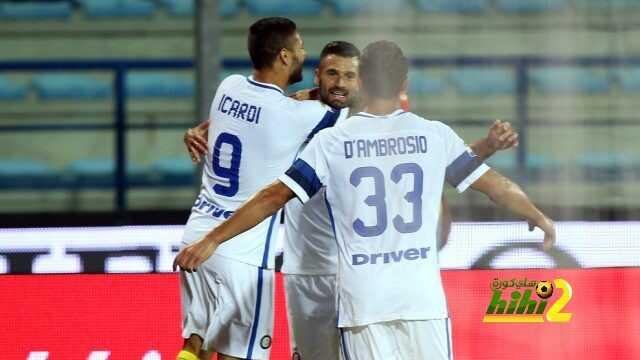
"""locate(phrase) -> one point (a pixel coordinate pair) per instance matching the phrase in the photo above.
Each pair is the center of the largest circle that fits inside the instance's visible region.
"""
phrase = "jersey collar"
(395, 113)
(264, 85)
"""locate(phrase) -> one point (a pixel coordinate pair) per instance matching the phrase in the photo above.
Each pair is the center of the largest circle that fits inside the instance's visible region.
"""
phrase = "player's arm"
(259, 207)
(306, 94)
(509, 195)
(501, 137)
(195, 139)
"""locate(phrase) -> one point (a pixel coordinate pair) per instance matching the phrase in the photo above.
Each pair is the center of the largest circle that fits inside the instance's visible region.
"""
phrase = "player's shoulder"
(232, 81)
(313, 109)
(434, 126)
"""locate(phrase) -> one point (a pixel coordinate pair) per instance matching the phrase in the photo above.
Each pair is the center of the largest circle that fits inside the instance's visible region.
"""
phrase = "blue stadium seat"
(186, 8)
(118, 8)
(229, 8)
(174, 171)
(531, 6)
(505, 162)
(537, 165)
(146, 85)
(306, 83)
(70, 86)
(100, 172)
(483, 81)
(35, 10)
(179, 7)
(569, 80)
(372, 7)
(424, 83)
(604, 5)
(284, 7)
(607, 166)
(454, 6)
(11, 91)
(629, 79)
(26, 173)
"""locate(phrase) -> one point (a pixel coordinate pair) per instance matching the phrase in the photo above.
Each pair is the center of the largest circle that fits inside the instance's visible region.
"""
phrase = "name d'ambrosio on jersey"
(364, 148)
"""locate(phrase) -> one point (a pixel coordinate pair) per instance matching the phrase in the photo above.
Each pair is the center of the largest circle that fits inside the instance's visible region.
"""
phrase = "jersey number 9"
(231, 173)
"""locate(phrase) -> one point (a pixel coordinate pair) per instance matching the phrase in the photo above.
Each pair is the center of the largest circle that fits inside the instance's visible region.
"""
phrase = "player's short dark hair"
(267, 37)
(340, 48)
(383, 69)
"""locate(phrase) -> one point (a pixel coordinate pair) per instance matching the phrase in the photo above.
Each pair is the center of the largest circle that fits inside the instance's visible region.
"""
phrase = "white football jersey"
(384, 177)
(254, 136)
(309, 247)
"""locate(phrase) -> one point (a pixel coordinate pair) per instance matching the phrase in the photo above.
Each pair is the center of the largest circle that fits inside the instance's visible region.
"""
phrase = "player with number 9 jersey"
(253, 138)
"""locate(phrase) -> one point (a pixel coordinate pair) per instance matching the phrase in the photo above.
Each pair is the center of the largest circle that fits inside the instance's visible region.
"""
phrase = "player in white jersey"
(227, 305)
(383, 171)
(310, 254)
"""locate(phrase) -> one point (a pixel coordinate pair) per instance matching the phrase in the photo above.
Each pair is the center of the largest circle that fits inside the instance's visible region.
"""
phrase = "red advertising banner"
(137, 316)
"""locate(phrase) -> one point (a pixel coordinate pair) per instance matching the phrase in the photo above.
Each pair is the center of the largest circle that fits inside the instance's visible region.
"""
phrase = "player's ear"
(284, 56)
(316, 77)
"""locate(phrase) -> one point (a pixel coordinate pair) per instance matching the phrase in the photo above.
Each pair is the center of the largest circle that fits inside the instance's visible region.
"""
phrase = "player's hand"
(502, 136)
(192, 256)
(549, 229)
(195, 139)
(306, 94)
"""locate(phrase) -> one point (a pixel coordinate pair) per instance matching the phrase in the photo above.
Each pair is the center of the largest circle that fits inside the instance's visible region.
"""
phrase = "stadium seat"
(27, 173)
(179, 7)
(604, 5)
(174, 171)
(11, 91)
(70, 86)
(505, 162)
(538, 166)
(284, 7)
(424, 83)
(35, 10)
(531, 6)
(147, 85)
(372, 7)
(607, 166)
(483, 81)
(100, 172)
(629, 79)
(186, 8)
(569, 80)
(454, 6)
(118, 8)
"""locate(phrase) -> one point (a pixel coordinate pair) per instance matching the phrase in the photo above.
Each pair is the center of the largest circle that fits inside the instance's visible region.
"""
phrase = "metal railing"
(121, 67)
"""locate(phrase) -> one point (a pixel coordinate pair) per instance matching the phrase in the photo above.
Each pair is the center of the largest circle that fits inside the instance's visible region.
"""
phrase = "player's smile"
(338, 94)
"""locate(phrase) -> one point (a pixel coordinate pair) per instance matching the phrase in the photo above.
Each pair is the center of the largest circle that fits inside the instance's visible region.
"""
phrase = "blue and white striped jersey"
(254, 136)
(384, 177)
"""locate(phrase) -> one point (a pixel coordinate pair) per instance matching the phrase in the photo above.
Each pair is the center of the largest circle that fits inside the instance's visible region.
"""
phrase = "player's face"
(337, 78)
(297, 59)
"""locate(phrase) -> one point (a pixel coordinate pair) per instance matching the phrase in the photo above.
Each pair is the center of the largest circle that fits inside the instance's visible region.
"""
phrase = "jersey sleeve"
(464, 167)
(308, 173)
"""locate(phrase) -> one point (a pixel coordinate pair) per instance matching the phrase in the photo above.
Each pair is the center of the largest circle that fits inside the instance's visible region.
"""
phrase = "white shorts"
(229, 304)
(311, 306)
(398, 340)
